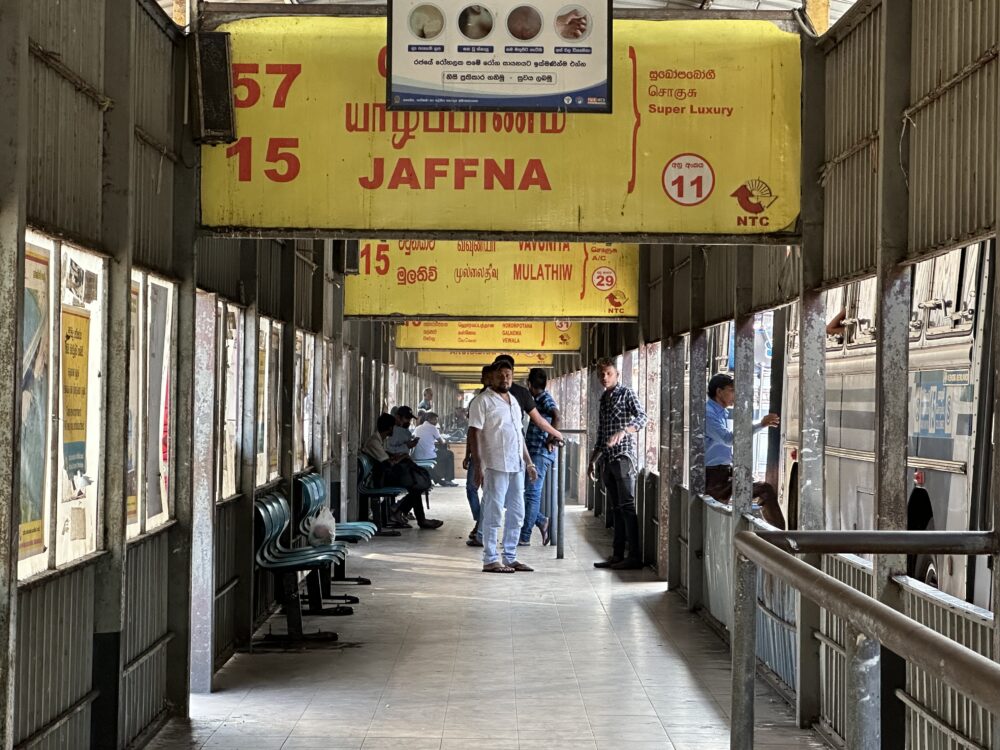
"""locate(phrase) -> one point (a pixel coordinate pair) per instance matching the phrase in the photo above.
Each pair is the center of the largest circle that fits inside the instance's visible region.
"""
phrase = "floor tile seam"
(388, 679)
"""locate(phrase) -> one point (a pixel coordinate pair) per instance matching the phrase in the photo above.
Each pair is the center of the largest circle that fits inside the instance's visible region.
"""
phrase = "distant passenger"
(621, 417)
(427, 404)
(433, 447)
(397, 470)
(402, 440)
(501, 457)
(540, 448)
(471, 488)
(719, 450)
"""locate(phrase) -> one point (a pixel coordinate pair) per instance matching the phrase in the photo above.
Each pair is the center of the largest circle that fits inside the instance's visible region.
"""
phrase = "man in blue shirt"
(620, 418)
(540, 448)
(719, 450)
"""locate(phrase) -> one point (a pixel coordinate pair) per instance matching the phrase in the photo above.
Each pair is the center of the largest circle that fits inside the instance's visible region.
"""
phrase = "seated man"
(719, 451)
(433, 447)
(397, 470)
(401, 440)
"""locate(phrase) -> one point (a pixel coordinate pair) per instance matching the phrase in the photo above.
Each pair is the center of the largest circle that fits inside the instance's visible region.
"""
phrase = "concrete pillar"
(668, 548)
(286, 395)
(14, 82)
(892, 340)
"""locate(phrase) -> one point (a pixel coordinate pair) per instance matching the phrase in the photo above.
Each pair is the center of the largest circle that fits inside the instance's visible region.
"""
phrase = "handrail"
(960, 667)
(884, 542)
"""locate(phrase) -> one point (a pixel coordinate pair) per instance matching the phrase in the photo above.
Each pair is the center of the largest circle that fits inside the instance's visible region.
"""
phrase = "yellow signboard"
(534, 359)
(704, 139)
(482, 279)
(490, 336)
(469, 386)
(471, 372)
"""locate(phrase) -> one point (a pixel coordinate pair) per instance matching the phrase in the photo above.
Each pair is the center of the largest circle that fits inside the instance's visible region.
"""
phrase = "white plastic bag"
(323, 529)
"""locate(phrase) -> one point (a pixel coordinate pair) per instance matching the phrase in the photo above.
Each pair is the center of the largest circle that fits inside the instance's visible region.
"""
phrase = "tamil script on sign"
(505, 280)
(704, 139)
(489, 335)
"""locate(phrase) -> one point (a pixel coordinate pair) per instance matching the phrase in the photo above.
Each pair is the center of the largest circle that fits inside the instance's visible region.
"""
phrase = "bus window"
(792, 329)
(861, 312)
(940, 305)
(965, 315)
(921, 292)
(834, 299)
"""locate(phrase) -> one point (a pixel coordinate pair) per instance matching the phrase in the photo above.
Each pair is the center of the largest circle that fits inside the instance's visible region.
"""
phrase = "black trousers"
(618, 477)
(403, 474)
(444, 469)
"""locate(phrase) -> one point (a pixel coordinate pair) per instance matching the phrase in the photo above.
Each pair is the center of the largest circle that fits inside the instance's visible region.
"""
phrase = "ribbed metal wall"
(304, 266)
(776, 275)
(853, 72)
(269, 273)
(153, 92)
(144, 682)
(218, 266)
(681, 287)
(65, 123)
(652, 320)
(720, 282)
(952, 123)
(55, 626)
(225, 575)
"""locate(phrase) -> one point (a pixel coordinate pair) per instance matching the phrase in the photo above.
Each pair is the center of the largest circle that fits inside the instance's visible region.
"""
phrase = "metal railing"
(554, 491)
(935, 660)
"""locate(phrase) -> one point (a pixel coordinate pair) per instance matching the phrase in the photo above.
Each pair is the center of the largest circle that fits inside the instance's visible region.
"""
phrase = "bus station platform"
(443, 657)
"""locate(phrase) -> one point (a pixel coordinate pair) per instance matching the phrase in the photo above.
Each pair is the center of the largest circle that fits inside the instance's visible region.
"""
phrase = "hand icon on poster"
(574, 24)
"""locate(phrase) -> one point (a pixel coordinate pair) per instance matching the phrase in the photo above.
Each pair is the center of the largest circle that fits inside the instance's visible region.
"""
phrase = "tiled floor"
(440, 656)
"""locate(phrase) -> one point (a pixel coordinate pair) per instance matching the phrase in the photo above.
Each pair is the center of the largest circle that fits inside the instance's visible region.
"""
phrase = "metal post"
(561, 500)
(744, 635)
(675, 473)
(319, 452)
(14, 83)
(668, 514)
(893, 338)
(203, 498)
(697, 367)
(994, 486)
(117, 200)
(812, 372)
(861, 714)
(184, 265)
(243, 528)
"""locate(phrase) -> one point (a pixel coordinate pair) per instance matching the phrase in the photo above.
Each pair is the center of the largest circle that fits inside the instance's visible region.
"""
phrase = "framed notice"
(522, 55)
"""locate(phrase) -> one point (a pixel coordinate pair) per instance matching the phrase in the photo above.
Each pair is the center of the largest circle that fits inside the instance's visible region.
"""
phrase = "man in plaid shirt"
(540, 449)
(621, 417)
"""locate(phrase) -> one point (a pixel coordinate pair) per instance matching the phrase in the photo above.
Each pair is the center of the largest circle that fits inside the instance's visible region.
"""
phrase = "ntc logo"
(754, 197)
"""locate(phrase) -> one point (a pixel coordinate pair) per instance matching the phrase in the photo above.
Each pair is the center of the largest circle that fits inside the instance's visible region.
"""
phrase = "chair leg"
(340, 576)
(316, 599)
(290, 602)
(383, 516)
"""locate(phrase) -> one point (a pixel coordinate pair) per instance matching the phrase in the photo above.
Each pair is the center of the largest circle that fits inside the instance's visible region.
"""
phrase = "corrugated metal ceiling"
(837, 7)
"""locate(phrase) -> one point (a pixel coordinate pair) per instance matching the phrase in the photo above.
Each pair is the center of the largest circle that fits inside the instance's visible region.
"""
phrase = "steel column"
(861, 710)
(243, 530)
(14, 83)
(994, 482)
(810, 512)
(286, 394)
(184, 265)
(743, 638)
(893, 339)
(667, 548)
(675, 467)
(117, 207)
(697, 367)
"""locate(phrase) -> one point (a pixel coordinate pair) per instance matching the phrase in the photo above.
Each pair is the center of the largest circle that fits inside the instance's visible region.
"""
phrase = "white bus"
(949, 435)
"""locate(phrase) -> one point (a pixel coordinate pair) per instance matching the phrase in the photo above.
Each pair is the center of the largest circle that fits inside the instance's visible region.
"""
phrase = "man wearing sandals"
(500, 456)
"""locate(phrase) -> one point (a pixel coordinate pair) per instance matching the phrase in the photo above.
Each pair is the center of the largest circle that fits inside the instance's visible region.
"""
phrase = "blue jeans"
(502, 491)
(533, 497)
(471, 491)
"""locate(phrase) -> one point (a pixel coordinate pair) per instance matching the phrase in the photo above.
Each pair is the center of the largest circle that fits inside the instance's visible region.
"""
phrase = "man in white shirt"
(432, 447)
(500, 457)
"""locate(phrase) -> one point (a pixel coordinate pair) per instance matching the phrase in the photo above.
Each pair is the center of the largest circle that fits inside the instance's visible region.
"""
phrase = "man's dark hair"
(487, 369)
(718, 382)
(429, 415)
(385, 423)
(606, 362)
(538, 378)
(504, 359)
